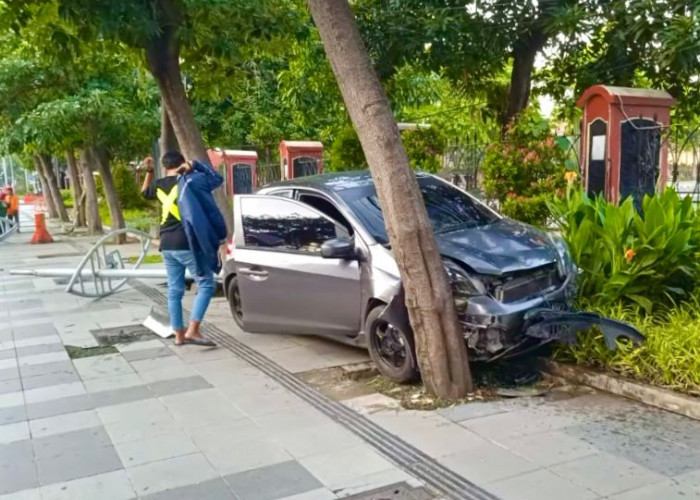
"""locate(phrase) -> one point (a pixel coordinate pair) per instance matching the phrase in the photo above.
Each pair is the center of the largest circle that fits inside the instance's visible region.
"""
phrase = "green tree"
(440, 346)
(633, 43)
(584, 41)
(97, 103)
(173, 35)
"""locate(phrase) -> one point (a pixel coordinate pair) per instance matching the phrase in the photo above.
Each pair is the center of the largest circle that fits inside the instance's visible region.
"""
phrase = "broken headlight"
(463, 285)
(565, 265)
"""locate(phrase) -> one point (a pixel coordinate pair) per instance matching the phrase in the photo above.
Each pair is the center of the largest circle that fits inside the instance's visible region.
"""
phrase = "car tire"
(395, 355)
(234, 301)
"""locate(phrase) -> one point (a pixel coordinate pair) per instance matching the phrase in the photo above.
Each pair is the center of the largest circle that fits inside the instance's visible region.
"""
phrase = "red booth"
(622, 148)
(239, 169)
(300, 158)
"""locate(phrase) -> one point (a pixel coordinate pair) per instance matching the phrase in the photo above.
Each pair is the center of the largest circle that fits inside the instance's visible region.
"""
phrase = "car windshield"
(449, 209)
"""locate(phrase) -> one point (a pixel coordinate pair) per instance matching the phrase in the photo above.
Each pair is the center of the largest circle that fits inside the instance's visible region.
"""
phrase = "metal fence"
(268, 174)
(684, 162)
(461, 163)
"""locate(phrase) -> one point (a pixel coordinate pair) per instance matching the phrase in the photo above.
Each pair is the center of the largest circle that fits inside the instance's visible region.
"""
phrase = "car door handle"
(253, 273)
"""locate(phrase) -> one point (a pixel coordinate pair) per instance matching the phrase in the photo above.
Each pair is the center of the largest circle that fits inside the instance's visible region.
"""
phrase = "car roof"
(333, 182)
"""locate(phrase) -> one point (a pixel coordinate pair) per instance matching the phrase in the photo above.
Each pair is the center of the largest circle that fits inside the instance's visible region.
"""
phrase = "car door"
(286, 286)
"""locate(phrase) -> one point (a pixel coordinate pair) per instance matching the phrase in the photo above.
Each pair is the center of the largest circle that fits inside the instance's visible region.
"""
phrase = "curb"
(649, 395)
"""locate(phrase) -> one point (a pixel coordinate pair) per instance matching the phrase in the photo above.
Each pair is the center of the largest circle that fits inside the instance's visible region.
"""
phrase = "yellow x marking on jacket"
(169, 204)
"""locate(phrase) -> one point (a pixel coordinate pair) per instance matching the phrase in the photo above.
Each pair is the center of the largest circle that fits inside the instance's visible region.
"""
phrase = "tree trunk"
(440, 345)
(92, 208)
(61, 211)
(76, 187)
(101, 159)
(48, 197)
(168, 140)
(524, 54)
(163, 57)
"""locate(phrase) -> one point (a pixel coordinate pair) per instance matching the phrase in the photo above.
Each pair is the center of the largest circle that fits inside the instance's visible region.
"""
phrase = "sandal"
(202, 342)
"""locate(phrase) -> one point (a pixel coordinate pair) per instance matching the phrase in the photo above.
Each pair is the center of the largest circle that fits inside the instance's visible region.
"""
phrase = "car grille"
(527, 284)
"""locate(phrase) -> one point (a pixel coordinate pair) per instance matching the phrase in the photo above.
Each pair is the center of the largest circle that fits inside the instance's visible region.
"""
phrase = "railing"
(7, 228)
(268, 174)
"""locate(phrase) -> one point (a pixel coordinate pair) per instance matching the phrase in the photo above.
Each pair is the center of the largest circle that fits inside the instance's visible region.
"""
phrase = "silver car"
(312, 256)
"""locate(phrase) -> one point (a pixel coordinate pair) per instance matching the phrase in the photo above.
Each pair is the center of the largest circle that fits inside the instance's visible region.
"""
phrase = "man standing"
(177, 249)
(12, 202)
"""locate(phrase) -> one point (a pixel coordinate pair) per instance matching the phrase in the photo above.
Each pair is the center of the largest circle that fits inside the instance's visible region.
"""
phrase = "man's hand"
(149, 164)
(185, 168)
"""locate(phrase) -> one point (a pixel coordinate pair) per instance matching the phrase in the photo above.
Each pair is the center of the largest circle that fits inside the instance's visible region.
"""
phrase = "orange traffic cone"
(41, 234)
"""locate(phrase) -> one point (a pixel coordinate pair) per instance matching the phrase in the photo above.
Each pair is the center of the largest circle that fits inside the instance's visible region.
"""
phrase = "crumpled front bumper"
(563, 326)
(494, 330)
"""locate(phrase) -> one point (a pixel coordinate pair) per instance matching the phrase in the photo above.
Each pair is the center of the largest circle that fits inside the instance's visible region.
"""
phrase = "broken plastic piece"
(563, 326)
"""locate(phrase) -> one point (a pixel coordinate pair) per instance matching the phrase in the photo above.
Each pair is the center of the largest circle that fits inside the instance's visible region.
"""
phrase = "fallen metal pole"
(58, 272)
(101, 272)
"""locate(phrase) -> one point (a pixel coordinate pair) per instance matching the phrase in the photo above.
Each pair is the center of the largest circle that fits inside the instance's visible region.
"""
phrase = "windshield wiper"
(457, 227)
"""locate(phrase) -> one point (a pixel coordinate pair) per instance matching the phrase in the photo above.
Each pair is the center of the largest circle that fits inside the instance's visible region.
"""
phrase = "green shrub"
(67, 196)
(527, 167)
(650, 260)
(425, 148)
(128, 191)
(346, 152)
(669, 357)
(532, 210)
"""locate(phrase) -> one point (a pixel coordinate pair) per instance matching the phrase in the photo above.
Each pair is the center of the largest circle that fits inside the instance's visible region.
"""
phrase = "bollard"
(41, 234)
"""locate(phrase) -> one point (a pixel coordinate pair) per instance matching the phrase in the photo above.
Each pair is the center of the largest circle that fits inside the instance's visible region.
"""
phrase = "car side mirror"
(338, 248)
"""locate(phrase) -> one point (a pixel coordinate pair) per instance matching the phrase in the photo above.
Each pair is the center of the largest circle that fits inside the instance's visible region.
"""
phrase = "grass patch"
(149, 259)
(135, 218)
(86, 352)
(670, 357)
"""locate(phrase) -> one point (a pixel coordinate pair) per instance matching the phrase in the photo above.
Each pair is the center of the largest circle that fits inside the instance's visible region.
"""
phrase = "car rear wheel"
(234, 301)
(391, 349)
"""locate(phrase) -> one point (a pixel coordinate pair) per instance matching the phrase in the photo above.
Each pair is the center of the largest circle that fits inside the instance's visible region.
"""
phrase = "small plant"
(648, 258)
(526, 169)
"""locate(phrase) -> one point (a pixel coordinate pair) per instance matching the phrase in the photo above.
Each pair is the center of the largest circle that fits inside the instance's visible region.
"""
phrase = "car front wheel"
(391, 349)
(234, 301)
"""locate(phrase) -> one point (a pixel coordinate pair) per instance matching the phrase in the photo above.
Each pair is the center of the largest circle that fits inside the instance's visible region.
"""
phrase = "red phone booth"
(239, 169)
(300, 158)
(622, 148)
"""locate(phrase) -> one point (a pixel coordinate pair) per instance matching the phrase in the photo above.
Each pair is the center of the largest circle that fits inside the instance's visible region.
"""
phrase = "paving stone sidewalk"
(151, 420)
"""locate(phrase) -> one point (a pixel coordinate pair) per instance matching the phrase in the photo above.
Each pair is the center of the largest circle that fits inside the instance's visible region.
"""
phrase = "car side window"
(285, 193)
(326, 207)
(278, 224)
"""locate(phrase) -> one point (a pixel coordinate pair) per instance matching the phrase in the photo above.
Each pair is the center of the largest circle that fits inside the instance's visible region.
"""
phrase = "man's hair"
(172, 159)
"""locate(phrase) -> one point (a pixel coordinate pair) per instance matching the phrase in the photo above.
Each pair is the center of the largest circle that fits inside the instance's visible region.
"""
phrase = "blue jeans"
(176, 262)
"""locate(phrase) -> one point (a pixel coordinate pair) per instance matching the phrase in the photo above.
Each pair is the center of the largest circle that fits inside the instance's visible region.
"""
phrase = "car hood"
(498, 248)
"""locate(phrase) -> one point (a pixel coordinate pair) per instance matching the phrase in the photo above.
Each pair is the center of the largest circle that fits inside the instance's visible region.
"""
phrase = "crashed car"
(312, 256)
